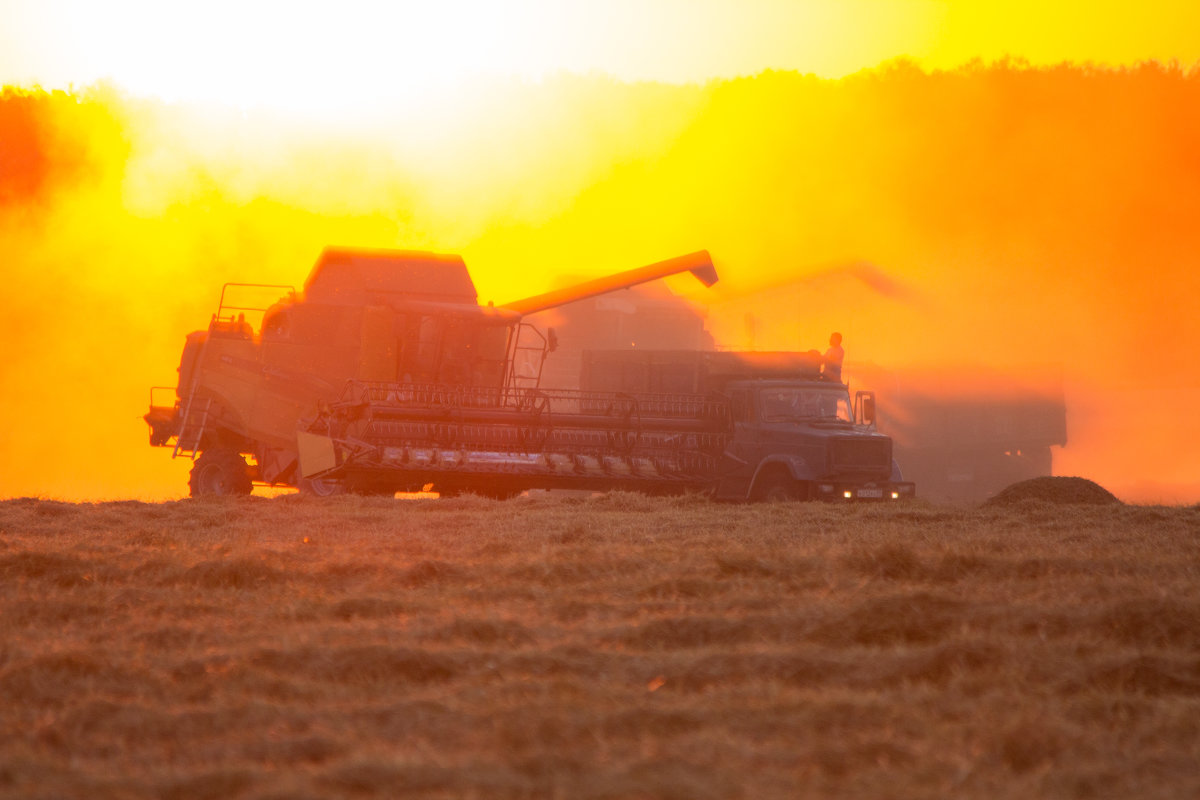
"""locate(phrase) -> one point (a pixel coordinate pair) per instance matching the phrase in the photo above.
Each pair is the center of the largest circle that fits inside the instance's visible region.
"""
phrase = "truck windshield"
(795, 402)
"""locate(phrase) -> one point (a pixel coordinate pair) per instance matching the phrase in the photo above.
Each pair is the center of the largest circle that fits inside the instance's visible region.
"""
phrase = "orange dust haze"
(996, 215)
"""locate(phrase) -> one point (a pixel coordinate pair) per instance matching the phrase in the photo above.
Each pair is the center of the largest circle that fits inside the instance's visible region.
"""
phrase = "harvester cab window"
(489, 362)
(418, 348)
(455, 340)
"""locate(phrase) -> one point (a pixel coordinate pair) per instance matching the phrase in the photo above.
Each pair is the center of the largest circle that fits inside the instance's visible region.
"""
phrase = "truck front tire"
(220, 473)
(779, 487)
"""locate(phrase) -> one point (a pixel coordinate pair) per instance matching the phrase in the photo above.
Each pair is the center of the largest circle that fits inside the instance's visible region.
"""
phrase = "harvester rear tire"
(220, 473)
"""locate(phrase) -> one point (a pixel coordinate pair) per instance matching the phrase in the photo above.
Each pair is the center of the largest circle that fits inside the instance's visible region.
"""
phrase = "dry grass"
(617, 647)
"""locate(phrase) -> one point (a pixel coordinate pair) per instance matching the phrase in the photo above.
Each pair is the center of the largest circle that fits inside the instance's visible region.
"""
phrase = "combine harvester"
(387, 375)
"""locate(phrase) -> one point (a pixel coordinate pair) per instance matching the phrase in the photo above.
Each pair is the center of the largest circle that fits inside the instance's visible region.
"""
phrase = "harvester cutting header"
(404, 325)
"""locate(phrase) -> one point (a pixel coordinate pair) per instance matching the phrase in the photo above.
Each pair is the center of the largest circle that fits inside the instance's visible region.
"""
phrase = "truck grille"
(858, 454)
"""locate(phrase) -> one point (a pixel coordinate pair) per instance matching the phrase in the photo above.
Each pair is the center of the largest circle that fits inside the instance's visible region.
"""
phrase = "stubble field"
(611, 647)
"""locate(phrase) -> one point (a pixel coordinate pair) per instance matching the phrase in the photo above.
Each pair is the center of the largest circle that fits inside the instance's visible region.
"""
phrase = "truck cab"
(796, 434)
(805, 439)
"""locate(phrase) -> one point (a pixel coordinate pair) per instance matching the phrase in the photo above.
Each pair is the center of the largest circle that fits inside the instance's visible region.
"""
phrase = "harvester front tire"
(219, 473)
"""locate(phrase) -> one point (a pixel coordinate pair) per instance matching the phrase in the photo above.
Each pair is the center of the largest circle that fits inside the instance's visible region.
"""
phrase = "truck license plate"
(873, 493)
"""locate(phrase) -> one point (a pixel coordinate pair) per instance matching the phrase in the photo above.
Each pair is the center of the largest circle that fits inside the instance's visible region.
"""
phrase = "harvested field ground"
(613, 647)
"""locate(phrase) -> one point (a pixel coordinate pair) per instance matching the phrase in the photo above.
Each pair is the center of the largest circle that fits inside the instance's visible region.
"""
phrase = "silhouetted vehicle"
(394, 339)
(961, 432)
(386, 375)
(965, 432)
(793, 435)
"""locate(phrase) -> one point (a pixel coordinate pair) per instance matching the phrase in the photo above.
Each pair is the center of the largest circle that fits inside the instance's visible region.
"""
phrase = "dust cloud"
(996, 215)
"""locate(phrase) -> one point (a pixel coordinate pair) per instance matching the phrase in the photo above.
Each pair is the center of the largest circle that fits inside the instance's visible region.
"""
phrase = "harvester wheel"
(219, 472)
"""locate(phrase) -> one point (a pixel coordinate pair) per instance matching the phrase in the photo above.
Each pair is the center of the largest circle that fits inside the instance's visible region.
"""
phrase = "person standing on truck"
(831, 362)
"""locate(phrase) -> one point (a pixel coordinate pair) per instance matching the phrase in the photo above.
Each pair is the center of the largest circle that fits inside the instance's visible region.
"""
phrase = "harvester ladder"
(525, 361)
(191, 431)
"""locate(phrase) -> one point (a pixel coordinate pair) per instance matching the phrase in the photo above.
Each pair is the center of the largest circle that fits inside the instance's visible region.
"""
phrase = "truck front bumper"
(883, 491)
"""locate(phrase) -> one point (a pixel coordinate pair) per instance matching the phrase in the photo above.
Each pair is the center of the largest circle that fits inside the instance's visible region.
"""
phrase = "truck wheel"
(219, 472)
(779, 488)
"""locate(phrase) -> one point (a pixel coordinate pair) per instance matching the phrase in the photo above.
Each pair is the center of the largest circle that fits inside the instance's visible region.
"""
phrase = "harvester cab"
(405, 320)
(409, 317)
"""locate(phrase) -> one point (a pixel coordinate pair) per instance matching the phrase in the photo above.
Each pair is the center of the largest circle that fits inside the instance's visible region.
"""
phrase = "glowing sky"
(528, 136)
(358, 54)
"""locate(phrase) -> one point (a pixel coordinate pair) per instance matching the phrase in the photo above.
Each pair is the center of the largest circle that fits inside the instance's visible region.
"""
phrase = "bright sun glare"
(260, 54)
(364, 55)
(406, 55)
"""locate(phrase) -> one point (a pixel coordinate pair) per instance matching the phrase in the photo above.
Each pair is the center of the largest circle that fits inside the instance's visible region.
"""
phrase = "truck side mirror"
(864, 403)
(551, 340)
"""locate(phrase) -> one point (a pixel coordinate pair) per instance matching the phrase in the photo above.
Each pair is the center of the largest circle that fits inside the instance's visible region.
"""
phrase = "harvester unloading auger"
(387, 375)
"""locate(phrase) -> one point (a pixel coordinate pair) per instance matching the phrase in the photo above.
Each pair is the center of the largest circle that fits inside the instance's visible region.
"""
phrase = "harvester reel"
(447, 398)
(625, 409)
(447, 432)
(535, 430)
